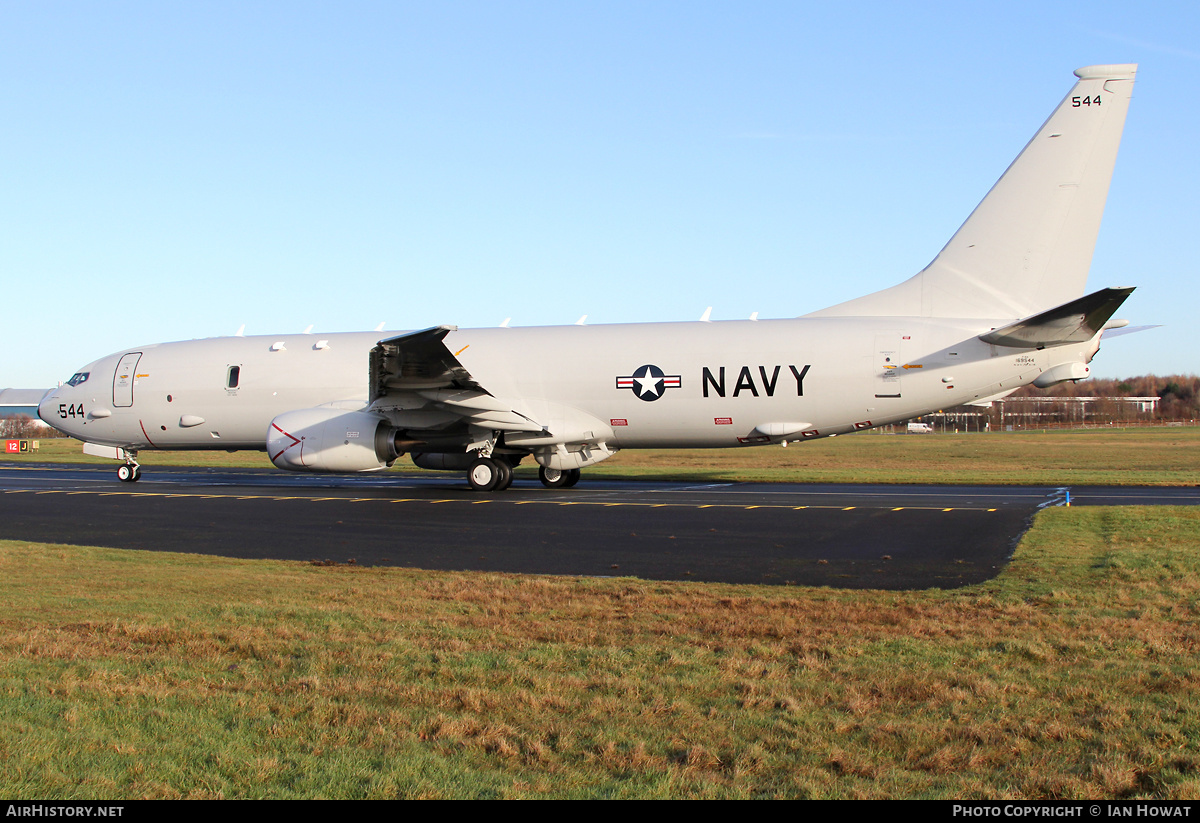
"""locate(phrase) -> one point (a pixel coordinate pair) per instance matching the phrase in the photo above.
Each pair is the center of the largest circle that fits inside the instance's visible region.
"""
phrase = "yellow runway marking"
(547, 501)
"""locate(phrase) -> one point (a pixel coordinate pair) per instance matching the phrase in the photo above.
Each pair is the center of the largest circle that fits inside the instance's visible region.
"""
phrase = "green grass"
(1134, 456)
(1071, 674)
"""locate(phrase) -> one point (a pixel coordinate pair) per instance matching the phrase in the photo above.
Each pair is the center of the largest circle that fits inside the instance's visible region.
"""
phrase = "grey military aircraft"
(1001, 306)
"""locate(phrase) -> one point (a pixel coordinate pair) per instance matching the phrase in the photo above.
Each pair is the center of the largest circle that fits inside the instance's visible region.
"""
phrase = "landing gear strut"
(131, 472)
(558, 478)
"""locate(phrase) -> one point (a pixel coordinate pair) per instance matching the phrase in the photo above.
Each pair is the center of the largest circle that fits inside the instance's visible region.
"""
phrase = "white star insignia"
(646, 382)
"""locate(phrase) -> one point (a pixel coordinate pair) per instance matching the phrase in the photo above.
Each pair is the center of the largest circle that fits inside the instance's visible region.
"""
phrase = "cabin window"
(231, 380)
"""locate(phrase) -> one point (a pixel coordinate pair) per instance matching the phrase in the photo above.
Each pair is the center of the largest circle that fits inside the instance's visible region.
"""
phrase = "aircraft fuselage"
(718, 384)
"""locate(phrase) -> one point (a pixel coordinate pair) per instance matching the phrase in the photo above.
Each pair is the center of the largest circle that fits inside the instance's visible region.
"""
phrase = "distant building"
(21, 403)
(1078, 409)
(1041, 411)
(1140, 405)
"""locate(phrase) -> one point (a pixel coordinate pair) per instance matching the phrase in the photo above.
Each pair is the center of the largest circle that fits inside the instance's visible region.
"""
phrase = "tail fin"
(1028, 246)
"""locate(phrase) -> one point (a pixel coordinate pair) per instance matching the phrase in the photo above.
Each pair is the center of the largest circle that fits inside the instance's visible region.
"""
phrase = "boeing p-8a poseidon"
(1001, 306)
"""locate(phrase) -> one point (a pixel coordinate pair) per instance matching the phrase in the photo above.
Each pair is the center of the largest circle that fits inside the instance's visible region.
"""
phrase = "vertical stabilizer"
(1028, 246)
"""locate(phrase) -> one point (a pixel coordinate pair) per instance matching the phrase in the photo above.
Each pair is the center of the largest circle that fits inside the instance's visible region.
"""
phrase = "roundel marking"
(649, 382)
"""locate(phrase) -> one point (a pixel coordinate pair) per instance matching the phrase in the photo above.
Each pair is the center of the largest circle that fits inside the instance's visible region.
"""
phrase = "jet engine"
(330, 440)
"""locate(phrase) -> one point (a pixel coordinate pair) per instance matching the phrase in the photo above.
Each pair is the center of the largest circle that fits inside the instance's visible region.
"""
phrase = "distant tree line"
(1179, 395)
(24, 427)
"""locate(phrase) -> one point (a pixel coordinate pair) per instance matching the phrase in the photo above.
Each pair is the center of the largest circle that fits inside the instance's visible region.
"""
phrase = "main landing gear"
(558, 478)
(493, 471)
(131, 472)
(489, 474)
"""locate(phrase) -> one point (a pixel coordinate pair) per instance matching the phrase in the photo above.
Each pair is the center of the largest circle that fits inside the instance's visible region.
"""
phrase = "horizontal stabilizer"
(1074, 322)
(1129, 330)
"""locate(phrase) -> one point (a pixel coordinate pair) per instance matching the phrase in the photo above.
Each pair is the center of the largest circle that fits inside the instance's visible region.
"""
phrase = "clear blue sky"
(177, 170)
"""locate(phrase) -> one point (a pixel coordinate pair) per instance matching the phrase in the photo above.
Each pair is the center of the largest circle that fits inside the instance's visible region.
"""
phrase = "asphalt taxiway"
(876, 536)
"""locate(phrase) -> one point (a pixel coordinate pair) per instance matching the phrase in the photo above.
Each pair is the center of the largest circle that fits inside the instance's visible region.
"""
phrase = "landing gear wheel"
(506, 475)
(558, 478)
(129, 474)
(484, 474)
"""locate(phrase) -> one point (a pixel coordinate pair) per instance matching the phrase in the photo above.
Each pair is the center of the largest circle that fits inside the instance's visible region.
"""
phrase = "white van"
(920, 428)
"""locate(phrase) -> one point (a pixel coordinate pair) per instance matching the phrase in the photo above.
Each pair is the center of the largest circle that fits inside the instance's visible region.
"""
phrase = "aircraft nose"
(46, 409)
(43, 410)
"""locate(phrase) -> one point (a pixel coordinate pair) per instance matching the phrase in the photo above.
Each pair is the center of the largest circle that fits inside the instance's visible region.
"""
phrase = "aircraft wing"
(421, 383)
(1074, 322)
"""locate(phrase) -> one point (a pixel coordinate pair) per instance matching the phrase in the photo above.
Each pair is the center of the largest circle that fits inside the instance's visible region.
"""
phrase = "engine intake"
(330, 440)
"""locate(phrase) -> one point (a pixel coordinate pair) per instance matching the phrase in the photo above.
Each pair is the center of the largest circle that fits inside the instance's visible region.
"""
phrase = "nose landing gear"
(131, 472)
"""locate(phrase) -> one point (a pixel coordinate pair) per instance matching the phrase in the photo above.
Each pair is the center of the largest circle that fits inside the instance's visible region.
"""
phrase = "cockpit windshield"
(78, 377)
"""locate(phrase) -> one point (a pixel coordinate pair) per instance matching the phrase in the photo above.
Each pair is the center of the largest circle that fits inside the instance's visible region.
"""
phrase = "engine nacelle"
(330, 440)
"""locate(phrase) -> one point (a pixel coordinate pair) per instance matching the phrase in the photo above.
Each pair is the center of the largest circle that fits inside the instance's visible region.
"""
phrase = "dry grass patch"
(1072, 674)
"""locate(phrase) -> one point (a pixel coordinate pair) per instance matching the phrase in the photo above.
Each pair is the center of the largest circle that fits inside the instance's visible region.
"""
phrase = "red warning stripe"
(294, 440)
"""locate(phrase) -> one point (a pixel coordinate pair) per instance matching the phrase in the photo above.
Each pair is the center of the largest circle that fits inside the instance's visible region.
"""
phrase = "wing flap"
(416, 361)
(417, 373)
